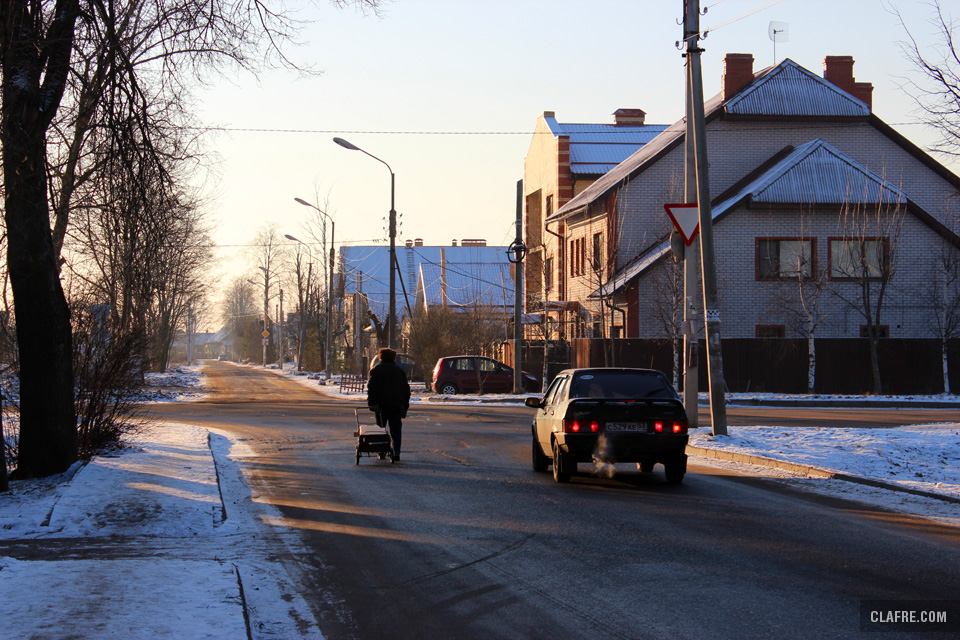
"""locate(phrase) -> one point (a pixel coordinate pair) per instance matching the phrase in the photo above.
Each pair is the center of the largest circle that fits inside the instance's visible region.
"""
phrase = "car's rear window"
(621, 384)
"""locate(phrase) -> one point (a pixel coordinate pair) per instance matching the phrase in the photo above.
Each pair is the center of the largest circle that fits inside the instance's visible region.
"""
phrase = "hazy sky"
(448, 92)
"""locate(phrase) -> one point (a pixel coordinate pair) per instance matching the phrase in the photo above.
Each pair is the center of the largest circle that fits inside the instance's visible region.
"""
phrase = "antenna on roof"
(778, 32)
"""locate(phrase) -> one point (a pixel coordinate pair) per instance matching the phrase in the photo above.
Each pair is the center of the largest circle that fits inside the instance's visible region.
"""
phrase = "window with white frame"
(785, 258)
(858, 258)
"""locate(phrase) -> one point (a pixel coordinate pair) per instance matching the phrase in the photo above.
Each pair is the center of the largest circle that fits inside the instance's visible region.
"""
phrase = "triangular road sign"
(686, 218)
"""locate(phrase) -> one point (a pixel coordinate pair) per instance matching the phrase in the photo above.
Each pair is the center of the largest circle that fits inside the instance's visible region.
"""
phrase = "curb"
(809, 470)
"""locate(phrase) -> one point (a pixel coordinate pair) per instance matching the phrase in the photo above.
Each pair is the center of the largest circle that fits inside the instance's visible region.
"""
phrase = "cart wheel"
(358, 457)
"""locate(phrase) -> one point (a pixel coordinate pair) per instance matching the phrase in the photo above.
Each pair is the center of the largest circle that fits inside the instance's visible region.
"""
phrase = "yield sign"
(686, 218)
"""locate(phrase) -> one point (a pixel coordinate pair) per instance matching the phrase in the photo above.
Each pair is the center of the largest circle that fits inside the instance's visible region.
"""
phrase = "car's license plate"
(626, 426)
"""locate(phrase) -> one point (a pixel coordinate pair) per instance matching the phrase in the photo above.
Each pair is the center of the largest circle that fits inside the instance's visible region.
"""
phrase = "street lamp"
(333, 231)
(392, 315)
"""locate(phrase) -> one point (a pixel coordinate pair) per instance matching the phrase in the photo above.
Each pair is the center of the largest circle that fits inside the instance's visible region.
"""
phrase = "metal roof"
(813, 173)
(468, 284)
(372, 265)
(597, 148)
(790, 90)
(816, 173)
(784, 90)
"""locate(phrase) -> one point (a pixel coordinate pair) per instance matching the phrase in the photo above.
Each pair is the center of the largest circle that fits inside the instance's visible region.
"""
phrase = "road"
(462, 540)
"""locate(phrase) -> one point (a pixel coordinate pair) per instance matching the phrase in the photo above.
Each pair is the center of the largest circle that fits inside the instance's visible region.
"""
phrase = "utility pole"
(691, 347)
(518, 251)
(711, 307)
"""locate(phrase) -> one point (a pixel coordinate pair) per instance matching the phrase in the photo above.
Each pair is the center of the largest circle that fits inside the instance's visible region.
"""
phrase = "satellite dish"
(778, 32)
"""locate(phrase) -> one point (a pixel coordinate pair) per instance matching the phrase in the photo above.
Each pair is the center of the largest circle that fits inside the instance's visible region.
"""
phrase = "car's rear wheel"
(449, 389)
(561, 464)
(540, 461)
(675, 470)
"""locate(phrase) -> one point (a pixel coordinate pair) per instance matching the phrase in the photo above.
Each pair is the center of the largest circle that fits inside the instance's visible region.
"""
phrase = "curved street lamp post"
(392, 315)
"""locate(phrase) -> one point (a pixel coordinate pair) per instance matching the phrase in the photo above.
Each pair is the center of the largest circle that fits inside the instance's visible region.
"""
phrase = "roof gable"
(816, 173)
(790, 90)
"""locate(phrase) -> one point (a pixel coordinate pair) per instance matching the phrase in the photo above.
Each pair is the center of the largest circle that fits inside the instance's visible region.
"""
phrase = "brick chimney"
(629, 117)
(418, 242)
(839, 71)
(737, 73)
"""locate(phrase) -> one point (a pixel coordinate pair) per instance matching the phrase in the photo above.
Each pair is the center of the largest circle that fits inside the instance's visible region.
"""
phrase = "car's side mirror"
(534, 403)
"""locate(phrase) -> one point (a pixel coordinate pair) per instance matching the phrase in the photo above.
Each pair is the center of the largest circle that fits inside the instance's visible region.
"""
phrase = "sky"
(447, 92)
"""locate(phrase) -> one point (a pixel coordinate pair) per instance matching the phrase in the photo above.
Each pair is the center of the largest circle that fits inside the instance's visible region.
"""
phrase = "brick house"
(562, 161)
(808, 186)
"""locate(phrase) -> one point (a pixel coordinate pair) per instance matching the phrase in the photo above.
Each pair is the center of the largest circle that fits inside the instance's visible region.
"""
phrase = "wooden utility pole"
(708, 270)
(518, 251)
(691, 347)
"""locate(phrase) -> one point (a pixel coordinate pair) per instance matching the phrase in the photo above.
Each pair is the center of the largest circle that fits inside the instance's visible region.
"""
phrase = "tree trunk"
(48, 428)
(811, 364)
(35, 69)
(946, 366)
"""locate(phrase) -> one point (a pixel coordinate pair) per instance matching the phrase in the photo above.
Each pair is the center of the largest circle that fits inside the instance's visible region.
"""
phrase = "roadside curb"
(843, 404)
(809, 470)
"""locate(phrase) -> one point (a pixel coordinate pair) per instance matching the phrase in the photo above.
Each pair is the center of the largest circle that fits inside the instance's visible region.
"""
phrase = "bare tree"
(863, 263)
(936, 87)
(941, 294)
(38, 39)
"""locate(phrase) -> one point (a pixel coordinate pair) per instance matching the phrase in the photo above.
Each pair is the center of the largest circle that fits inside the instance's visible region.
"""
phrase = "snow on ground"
(200, 559)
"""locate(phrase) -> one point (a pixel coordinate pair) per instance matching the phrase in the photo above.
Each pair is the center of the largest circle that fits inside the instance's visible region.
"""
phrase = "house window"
(548, 274)
(597, 251)
(883, 331)
(783, 258)
(578, 257)
(858, 258)
(771, 331)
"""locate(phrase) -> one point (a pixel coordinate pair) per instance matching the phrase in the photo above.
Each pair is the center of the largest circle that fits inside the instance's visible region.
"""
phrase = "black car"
(610, 415)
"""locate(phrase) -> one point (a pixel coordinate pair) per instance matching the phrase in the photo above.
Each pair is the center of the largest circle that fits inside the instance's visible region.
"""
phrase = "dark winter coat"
(388, 389)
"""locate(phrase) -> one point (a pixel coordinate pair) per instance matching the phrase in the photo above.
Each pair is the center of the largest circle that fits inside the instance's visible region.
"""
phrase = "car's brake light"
(675, 426)
(576, 426)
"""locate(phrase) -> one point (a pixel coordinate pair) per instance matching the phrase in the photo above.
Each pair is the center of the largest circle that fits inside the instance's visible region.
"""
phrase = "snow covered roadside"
(156, 541)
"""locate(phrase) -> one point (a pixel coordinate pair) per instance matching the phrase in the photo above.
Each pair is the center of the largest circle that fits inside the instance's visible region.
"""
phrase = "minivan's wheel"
(449, 389)
(540, 461)
(561, 468)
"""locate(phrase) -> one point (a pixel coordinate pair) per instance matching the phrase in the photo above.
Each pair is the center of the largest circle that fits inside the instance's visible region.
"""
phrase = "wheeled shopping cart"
(373, 439)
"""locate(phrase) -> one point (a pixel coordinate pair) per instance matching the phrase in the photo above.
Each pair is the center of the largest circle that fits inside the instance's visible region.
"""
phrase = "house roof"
(468, 284)
(815, 173)
(597, 148)
(786, 90)
(372, 265)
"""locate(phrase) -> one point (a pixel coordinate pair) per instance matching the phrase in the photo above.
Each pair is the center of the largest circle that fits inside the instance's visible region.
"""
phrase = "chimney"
(838, 70)
(454, 243)
(418, 242)
(409, 243)
(473, 242)
(629, 117)
(737, 73)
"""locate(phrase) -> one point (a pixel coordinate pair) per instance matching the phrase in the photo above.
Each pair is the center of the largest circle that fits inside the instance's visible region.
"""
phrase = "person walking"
(388, 396)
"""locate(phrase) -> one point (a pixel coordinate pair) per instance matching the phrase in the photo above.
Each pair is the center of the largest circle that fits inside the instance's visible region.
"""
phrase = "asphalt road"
(462, 540)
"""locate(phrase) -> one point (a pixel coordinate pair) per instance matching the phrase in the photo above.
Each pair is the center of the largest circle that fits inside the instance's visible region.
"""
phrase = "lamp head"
(346, 145)
(290, 237)
(303, 202)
